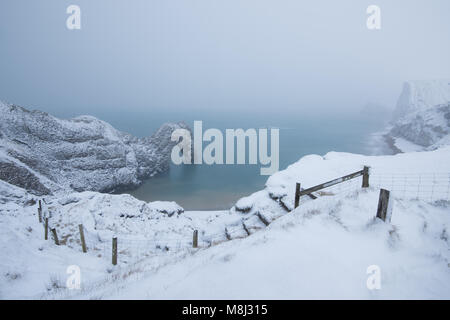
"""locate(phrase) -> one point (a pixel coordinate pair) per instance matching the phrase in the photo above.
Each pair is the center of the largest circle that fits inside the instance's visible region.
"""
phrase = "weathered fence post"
(195, 239)
(384, 210)
(114, 251)
(297, 195)
(83, 243)
(40, 211)
(365, 179)
(55, 236)
(46, 229)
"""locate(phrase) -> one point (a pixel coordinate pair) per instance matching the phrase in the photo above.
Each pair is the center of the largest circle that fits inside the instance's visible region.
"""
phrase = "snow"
(262, 248)
(406, 146)
(244, 204)
(322, 249)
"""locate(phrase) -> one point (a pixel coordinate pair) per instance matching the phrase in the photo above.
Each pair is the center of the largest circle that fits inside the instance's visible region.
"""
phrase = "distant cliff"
(44, 154)
(420, 95)
(421, 120)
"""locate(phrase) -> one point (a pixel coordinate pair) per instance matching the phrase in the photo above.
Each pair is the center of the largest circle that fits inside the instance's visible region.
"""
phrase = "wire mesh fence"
(133, 249)
(421, 186)
(424, 186)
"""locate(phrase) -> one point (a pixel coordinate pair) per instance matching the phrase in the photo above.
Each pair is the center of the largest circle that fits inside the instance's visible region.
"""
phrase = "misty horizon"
(248, 56)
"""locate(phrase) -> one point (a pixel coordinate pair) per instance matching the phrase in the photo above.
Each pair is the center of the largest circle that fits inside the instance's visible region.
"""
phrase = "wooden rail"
(365, 183)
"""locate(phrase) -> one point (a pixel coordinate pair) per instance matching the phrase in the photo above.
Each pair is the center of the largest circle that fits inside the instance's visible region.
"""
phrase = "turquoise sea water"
(207, 187)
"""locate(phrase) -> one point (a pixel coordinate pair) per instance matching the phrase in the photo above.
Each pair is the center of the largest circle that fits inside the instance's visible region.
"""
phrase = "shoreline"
(390, 142)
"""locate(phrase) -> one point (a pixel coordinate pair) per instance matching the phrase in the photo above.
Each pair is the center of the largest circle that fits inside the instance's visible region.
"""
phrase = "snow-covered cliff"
(43, 154)
(429, 128)
(420, 95)
(421, 120)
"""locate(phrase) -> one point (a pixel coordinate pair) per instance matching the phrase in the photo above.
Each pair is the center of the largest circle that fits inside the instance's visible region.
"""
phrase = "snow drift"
(322, 249)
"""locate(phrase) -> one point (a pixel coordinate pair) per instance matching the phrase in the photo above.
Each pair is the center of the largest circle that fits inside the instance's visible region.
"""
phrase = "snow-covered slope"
(322, 249)
(44, 154)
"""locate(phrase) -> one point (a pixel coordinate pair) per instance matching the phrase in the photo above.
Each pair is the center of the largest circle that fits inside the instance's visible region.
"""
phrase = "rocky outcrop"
(420, 95)
(421, 120)
(43, 154)
(424, 128)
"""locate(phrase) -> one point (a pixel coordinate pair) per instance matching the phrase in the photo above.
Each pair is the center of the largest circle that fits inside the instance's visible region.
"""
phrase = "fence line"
(428, 186)
(423, 186)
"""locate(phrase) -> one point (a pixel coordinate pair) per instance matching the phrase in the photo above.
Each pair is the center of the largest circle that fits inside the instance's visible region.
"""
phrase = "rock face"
(44, 154)
(422, 116)
(421, 95)
(428, 128)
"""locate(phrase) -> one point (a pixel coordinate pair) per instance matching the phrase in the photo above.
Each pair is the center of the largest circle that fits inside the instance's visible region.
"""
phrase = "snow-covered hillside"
(257, 249)
(421, 120)
(44, 154)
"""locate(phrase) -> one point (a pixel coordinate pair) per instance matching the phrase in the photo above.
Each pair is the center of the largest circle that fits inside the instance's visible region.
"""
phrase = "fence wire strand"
(424, 186)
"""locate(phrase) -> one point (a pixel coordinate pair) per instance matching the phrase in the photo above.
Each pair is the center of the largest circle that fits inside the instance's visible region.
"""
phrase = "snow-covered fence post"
(46, 229)
(297, 195)
(365, 179)
(114, 250)
(384, 210)
(83, 243)
(195, 239)
(55, 236)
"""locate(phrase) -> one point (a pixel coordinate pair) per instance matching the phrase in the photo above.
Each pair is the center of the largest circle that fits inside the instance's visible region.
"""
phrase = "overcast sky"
(156, 55)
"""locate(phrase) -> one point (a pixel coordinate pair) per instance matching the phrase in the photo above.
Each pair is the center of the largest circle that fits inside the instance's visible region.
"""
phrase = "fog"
(148, 56)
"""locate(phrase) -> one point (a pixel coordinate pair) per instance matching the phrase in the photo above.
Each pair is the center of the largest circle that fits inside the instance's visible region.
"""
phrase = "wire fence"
(131, 249)
(423, 186)
(420, 186)
(344, 188)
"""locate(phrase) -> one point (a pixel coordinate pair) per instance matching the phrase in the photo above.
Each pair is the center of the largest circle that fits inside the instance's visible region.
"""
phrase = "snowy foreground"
(322, 249)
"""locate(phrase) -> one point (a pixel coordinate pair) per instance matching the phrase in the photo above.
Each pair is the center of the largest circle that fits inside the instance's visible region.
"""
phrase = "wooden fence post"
(114, 251)
(195, 239)
(365, 179)
(297, 195)
(55, 236)
(83, 243)
(384, 210)
(40, 211)
(46, 229)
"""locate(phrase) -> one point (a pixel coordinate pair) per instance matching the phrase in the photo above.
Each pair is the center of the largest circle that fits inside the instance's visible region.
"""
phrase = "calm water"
(205, 187)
